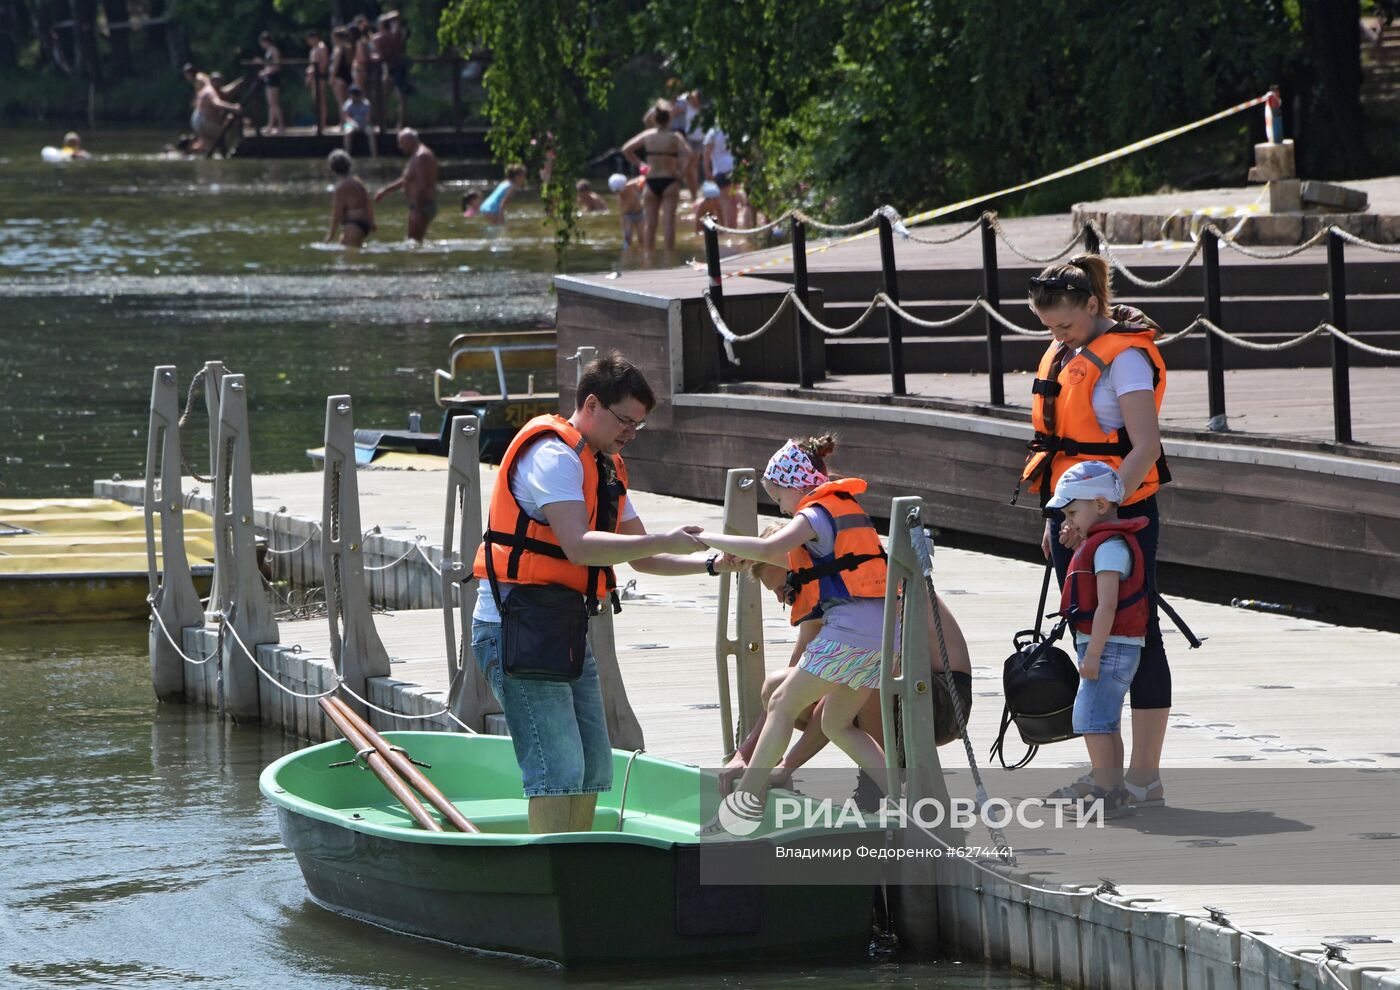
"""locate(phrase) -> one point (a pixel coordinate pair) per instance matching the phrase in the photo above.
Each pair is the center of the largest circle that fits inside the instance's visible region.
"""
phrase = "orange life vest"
(517, 549)
(856, 566)
(1062, 408)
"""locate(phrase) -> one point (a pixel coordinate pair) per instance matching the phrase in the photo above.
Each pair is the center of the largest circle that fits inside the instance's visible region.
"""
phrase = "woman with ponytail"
(1096, 397)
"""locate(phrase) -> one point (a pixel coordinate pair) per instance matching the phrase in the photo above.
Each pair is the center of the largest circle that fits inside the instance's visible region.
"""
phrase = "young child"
(588, 200)
(358, 120)
(352, 209)
(471, 204)
(629, 204)
(835, 572)
(1105, 600)
(708, 205)
(494, 209)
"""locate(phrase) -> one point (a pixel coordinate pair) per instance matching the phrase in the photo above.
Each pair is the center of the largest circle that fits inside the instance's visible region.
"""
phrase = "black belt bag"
(544, 633)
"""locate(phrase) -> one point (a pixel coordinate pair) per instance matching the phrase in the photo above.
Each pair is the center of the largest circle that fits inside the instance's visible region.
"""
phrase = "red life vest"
(1062, 407)
(856, 566)
(524, 551)
(1080, 595)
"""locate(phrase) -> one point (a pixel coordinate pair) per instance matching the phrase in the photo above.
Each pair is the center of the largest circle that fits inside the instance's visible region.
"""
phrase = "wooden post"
(746, 647)
(799, 283)
(470, 698)
(1341, 354)
(241, 593)
(356, 649)
(991, 292)
(173, 595)
(1215, 347)
(716, 290)
(893, 324)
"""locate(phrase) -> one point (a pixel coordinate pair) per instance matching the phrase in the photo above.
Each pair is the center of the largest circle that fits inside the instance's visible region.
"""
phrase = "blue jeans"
(1152, 687)
(558, 728)
(1098, 705)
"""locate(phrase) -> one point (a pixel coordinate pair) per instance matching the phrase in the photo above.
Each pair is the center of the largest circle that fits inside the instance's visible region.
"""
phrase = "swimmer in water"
(471, 204)
(351, 210)
(73, 146)
(588, 200)
(418, 182)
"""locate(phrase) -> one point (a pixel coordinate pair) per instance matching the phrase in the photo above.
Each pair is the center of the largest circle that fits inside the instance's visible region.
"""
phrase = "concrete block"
(1388, 229)
(1005, 926)
(1381, 980)
(1212, 956)
(1365, 225)
(1331, 195)
(1124, 228)
(1107, 946)
(1273, 161)
(1276, 230)
(1285, 196)
(1159, 955)
(1175, 228)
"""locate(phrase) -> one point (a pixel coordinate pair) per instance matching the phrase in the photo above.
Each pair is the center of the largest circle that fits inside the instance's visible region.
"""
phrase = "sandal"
(1137, 796)
(1115, 803)
(1072, 792)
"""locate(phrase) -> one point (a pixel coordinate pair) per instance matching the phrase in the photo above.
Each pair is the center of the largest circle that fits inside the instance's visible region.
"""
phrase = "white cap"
(616, 181)
(1087, 479)
(710, 189)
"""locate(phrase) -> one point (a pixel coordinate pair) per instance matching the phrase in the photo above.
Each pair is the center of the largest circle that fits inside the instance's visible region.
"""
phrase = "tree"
(550, 61)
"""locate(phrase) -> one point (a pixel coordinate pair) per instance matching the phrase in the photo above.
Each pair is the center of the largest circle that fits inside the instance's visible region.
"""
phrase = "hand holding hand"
(685, 540)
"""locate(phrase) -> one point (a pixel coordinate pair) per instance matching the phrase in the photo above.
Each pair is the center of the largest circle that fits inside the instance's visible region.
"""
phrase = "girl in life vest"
(1096, 397)
(1104, 600)
(836, 572)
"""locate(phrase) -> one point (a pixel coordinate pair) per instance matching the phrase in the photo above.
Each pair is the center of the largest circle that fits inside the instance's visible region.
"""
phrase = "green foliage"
(551, 60)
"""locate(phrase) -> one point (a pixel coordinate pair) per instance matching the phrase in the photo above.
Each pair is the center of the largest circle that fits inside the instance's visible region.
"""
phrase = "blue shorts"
(1098, 706)
(559, 728)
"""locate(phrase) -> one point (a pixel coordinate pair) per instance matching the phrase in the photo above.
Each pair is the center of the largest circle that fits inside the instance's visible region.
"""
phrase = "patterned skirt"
(852, 666)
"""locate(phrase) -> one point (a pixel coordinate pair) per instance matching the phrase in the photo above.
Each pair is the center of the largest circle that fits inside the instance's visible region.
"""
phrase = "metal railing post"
(800, 286)
(991, 292)
(1091, 238)
(356, 649)
(746, 646)
(1341, 353)
(173, 595)
(716, 290)
(1215, 347)
(469, 697)
(241, 593)
(893, 324)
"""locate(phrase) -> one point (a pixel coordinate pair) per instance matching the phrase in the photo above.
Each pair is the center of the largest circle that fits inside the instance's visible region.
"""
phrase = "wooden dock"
(1272, 691)
(1273, 509)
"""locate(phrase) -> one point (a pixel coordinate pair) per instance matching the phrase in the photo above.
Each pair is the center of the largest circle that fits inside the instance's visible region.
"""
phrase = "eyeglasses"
(636, 426)
(1058, 283)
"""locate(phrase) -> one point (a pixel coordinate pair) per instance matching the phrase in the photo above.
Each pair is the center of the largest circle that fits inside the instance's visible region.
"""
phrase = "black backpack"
(1039, 681)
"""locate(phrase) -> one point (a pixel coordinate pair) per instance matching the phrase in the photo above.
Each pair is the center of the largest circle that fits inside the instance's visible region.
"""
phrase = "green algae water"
(137, 851)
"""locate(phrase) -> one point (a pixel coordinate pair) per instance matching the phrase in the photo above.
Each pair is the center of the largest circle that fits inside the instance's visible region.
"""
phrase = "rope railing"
(340, 685)
(906, 234)
(995, 221)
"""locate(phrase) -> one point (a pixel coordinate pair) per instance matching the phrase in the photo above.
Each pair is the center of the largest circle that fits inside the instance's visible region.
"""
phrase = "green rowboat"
(629, 891)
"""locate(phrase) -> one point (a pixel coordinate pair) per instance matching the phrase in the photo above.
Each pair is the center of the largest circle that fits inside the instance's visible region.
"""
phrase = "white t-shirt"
(549, 471)
(1129, 372)
(721, 161)
(1113, 554)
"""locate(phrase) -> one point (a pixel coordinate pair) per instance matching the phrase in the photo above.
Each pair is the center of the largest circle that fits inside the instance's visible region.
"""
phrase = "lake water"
(137, 850)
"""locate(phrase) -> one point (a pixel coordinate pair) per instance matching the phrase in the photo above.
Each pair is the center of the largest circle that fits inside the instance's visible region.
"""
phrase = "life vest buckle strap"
(1047, 387)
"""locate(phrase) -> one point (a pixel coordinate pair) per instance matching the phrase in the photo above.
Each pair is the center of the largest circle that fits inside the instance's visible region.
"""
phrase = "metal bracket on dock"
(915, 730)
(239, 583)
(172, 590)
(746, 646)
(356, 649)
(470, 697)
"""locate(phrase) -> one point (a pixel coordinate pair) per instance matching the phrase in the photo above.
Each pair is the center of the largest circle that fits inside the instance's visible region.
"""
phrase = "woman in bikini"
(352, 210)
(271, 75)
(341, 75)
(667, 155)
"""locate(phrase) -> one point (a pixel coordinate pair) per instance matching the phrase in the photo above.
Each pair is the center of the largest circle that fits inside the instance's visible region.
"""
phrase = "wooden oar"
(381, 768)
(400, 762)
